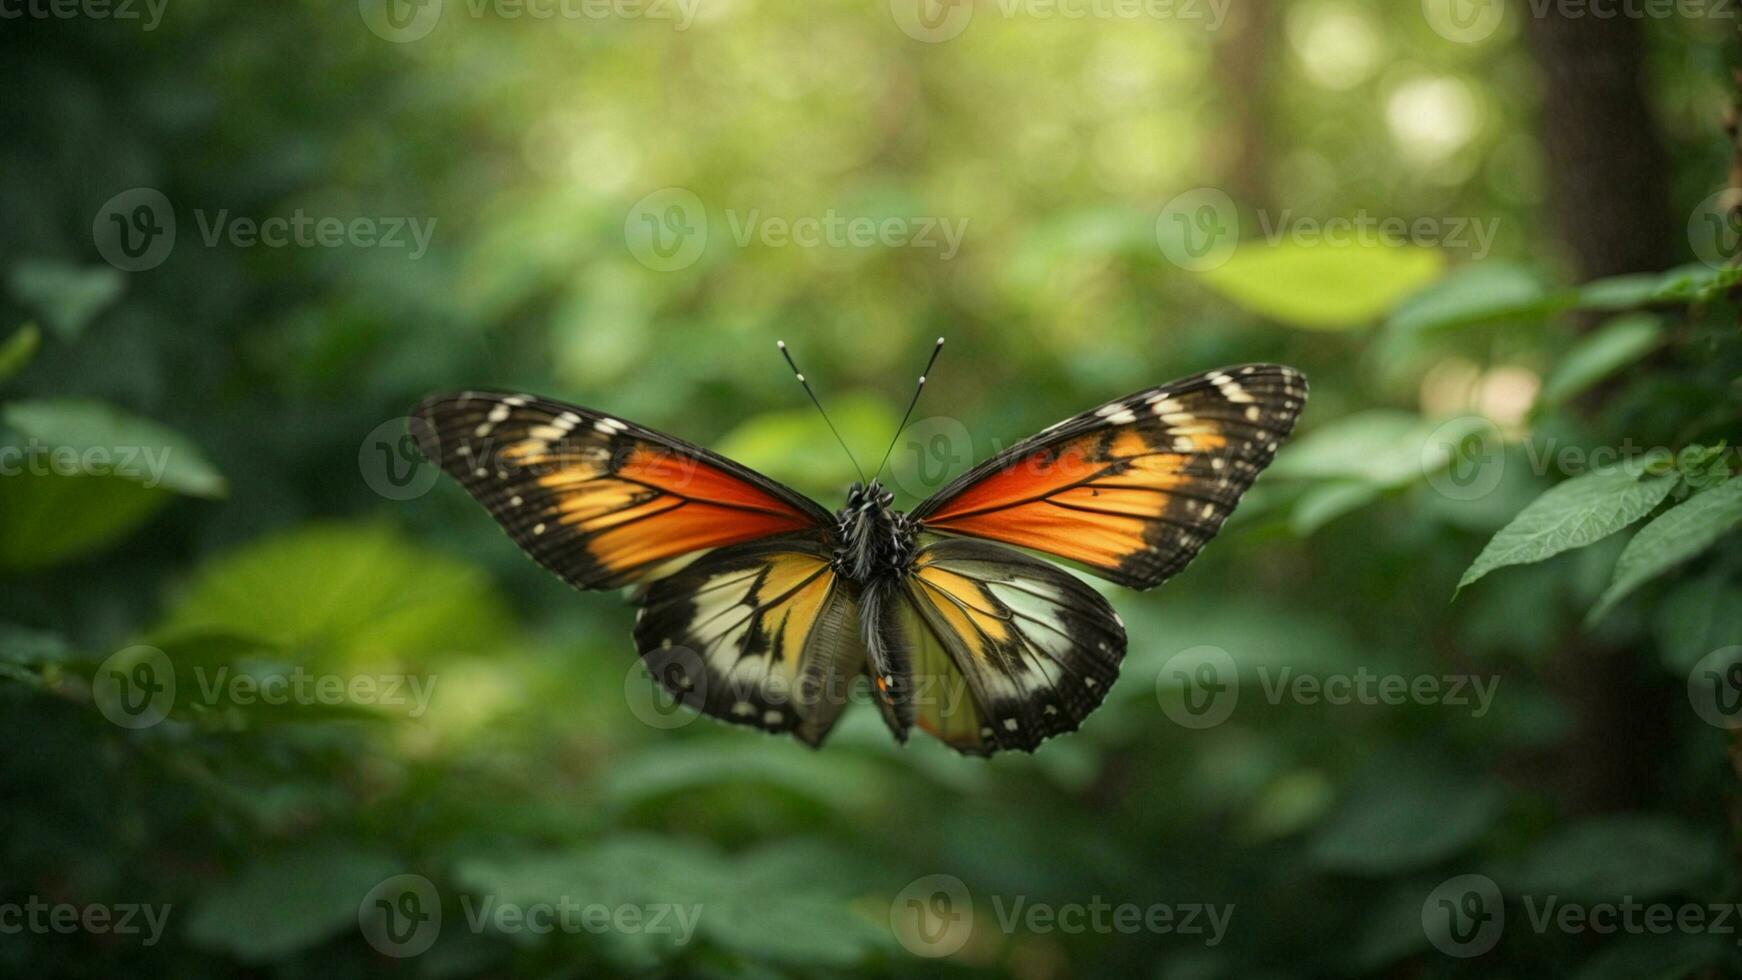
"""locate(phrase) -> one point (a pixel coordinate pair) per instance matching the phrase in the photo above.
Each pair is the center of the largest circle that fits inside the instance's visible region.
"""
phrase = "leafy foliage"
(1559, 456)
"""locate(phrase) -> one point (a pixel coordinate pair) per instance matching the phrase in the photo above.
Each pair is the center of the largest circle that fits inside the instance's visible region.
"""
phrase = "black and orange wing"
(991, 649)
(599, 501)
(1134, 489)
(764, 634)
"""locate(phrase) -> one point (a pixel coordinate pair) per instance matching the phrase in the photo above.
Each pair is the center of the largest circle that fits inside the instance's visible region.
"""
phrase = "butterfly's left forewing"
(742, 615)
(597, 500)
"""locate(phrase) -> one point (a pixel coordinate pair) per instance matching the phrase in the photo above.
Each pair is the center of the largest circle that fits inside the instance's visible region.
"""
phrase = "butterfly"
(759, 607)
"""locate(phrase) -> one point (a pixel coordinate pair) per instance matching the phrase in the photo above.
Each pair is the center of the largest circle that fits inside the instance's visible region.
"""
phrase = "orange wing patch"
(1135, 488)
(762, 634)
(599, 501)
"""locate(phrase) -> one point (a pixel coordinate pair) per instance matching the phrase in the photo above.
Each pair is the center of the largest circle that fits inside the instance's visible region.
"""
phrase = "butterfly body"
(760, 608)
(876, 541)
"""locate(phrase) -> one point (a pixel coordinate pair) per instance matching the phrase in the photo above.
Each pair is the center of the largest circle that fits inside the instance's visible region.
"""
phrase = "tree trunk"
(1610, 201)
(1606, 162)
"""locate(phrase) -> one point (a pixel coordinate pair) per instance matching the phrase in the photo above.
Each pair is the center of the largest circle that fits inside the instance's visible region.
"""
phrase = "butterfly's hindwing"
(599, 501)
(1134, 489)
(764, 634)
(1002, 650)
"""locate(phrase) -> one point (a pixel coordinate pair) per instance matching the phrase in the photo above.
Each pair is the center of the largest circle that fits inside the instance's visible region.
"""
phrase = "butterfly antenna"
(935, 351)
(807, 390)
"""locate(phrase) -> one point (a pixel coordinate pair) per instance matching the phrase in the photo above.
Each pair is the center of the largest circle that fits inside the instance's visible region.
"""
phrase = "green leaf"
(1382, 447)
(796, 447)
(765, 904)
(1694, 283)
(288, 901)
(1323, 287)
(1405, 822)
(355, 593)
(1675, 536)
(66, 296)
(1476, 294)
(46, 519)
(100, 439)
(26, 647)
(1695, 618)
(1328, 501)
(1642, 856)
(18, 349)
(1575, 513)
(673, 769)
(1618, 343)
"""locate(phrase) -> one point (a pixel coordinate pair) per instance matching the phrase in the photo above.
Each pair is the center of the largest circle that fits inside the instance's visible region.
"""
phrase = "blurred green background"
(205, 479)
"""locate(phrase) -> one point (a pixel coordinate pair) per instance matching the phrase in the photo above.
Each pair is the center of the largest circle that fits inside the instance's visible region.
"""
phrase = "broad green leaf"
(66, 296)
(1475, 294)
(1606, 858)
(1326, 502)
(1695, 618)
(47, 519)
(1694, 283)
(671, 768)
(1617, 344)
(764, 904)
(1575, 513)
(101, 439)
(18, 349)
(20, 645)
(1403, 823)
(1383, 447)
(796, 447)
(287, 902)
(1323, 287)
(354, 593)
(1675, 536)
